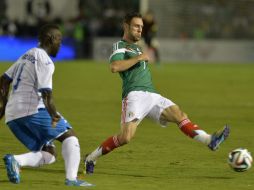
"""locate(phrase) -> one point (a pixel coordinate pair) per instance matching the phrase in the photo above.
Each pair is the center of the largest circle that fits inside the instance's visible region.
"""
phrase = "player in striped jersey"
(31, 114)
(140, 99)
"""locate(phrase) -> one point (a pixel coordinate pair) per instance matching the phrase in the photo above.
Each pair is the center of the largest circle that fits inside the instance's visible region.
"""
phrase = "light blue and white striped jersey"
(31, 73)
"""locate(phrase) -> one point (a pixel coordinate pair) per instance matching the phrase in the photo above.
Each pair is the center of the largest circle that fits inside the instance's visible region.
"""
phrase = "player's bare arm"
(50, 106)
(122, 65)
(4, 91)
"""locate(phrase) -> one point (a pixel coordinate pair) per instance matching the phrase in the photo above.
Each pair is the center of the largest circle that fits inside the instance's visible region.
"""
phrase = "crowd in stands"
(218, 19)
(94, 18)
(199, 19)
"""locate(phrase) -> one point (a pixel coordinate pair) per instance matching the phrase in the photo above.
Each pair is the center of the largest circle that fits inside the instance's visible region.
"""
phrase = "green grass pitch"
(89, 96)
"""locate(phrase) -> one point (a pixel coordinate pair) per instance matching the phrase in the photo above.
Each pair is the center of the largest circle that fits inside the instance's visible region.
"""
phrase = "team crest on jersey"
(136, 50)
(130, 49)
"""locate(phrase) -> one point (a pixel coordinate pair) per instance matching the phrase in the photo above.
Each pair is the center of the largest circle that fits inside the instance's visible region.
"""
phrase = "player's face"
(56, 42)
(135, 29)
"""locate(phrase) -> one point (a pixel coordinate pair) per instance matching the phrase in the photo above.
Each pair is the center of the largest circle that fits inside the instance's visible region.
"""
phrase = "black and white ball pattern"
(240, 159)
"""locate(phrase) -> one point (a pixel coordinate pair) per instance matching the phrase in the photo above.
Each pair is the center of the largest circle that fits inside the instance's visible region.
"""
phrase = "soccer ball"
(240, 159)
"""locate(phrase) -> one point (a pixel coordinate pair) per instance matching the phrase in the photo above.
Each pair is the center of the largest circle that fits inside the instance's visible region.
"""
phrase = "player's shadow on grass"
(62, 171)
(35, 182)
(48, 170)
(158, 177)
(129, 175)
(43, 170)
(4, 181)
(216, 177)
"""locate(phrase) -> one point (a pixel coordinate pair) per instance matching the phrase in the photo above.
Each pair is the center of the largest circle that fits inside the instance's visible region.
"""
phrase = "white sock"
(202, 137)
(71, 155)
(35, 159)
(95, 154)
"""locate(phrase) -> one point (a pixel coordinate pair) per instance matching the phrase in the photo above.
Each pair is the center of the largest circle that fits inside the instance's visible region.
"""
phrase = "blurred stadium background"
(188, 30)
(89, 96)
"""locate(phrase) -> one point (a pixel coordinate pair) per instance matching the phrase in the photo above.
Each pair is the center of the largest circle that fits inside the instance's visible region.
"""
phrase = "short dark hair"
(45, 30)
(129, 16)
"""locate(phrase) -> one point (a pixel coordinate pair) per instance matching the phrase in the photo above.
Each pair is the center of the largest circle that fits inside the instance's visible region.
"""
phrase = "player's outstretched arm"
(4, 91)
(122, 65)
(50, 106)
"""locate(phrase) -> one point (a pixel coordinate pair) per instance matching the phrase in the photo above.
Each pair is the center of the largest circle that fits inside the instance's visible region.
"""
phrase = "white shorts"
(139, 104)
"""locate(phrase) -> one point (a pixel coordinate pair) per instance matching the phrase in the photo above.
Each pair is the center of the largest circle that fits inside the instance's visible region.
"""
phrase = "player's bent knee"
(48, 158)
(66, 135)
(50, 149)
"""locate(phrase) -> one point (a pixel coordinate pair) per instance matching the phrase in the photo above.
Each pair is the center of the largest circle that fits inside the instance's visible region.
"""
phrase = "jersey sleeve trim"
(45, 89)
(122, 50)
(7, 76)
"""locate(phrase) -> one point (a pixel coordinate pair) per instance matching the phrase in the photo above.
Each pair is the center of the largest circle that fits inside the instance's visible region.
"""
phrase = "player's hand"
(144, 57)
(2, 108)
(55, 120)
(1, 113)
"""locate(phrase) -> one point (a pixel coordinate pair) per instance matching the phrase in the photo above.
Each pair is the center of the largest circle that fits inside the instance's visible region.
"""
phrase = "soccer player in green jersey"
(140, 99)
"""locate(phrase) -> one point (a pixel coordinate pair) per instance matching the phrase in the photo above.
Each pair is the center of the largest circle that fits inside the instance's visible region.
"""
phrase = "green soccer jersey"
(136, 78)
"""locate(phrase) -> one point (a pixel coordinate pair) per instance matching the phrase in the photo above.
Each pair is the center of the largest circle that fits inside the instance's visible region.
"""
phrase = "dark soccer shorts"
(36, 130)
